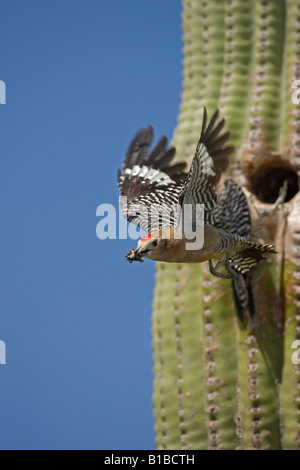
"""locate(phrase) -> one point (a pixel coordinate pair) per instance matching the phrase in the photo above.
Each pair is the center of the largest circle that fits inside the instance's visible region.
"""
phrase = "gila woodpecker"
(149, 181)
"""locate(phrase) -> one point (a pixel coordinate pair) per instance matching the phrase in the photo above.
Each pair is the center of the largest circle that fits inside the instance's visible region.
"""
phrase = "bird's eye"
(154, 243)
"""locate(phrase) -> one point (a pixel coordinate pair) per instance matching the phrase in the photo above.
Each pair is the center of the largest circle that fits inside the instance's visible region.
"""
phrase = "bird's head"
(151, 246)
(148, 245)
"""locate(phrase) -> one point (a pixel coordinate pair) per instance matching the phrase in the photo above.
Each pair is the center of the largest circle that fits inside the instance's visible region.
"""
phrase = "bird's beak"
(142, 252)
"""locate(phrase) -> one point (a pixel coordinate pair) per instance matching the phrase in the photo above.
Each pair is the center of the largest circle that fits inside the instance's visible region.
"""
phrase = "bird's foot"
(230, 270)
(214, 270)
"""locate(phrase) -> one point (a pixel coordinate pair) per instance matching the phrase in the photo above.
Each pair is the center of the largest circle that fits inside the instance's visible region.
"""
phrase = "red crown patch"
(147, 237)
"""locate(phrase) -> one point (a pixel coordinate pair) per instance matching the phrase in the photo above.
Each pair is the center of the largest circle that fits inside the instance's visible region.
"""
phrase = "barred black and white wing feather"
(152, 186)
(209, 162)
(148, 183)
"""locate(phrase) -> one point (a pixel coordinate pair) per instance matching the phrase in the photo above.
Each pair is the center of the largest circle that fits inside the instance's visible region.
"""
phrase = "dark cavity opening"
(267, 182)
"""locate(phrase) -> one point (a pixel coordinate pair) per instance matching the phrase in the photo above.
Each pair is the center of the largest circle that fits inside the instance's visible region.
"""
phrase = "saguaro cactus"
(220, 383)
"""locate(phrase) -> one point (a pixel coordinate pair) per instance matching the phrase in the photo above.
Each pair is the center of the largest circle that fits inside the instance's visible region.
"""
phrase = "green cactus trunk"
(220, 384)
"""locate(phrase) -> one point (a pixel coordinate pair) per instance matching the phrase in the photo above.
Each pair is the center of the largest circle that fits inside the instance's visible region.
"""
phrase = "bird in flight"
(150, 182)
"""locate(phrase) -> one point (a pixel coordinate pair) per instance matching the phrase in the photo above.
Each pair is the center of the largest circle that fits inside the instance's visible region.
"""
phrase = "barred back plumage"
(231, 214)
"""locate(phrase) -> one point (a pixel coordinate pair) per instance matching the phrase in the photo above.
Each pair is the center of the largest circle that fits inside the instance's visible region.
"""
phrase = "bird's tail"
(242, 286)
(242, 294)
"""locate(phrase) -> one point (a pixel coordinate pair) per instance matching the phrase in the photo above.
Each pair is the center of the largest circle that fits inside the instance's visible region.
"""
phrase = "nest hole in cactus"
(267, 181)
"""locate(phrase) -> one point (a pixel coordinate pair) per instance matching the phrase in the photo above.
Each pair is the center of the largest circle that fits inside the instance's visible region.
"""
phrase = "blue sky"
(81, 78)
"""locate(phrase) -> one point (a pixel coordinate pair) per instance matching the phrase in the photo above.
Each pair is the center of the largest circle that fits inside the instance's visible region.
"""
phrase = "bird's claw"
(214, 269)
(228, 266)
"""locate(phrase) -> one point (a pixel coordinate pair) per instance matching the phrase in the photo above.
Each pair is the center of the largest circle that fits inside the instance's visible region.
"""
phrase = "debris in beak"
(134, 255)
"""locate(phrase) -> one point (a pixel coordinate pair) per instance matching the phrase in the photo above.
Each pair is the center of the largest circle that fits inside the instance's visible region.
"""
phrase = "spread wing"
(150, 185)
(148, 182)
(210, 160)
